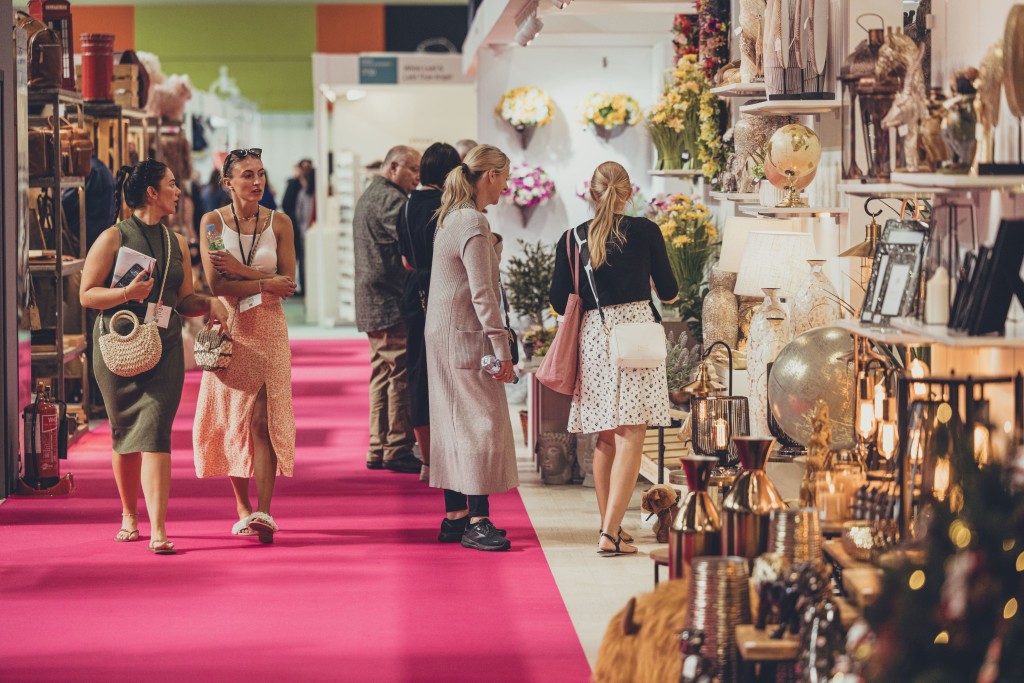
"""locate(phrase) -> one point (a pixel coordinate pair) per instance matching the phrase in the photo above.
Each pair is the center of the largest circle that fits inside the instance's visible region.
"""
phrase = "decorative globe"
(817, 365)
(793, 153)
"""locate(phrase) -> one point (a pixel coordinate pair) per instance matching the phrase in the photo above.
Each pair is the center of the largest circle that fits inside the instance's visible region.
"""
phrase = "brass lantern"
(875, 97)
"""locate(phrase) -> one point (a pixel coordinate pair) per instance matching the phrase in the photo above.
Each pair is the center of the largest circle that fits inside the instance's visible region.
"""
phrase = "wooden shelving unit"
(962, 183)
(741, 90)
(791, 107)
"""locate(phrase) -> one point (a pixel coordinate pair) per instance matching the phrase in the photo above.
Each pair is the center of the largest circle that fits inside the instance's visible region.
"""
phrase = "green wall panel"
(267, 48)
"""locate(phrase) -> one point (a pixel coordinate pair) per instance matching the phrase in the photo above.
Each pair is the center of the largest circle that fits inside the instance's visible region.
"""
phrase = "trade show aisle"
(354, 587)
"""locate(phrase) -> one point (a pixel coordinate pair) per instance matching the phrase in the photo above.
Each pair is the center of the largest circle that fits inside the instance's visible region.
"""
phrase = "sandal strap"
(614, 541)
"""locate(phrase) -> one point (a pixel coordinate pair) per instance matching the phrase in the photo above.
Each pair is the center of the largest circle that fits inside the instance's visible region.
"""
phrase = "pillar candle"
(936, 308)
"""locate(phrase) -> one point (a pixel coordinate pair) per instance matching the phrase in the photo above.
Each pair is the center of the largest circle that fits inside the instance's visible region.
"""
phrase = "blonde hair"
(460, 185)
(610, 187)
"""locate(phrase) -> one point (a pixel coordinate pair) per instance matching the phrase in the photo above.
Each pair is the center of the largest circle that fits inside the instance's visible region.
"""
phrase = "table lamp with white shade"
(775, 264)
(734, 239)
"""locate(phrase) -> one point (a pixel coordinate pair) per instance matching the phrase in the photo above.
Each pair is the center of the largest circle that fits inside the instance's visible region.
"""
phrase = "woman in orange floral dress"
(245, 426)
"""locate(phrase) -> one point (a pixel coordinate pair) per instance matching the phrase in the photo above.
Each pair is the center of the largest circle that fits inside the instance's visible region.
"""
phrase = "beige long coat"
(471, 443)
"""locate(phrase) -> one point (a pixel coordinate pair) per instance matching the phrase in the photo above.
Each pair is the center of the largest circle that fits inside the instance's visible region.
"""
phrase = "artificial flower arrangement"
(686, 123)
(637, 205)
(525, 107)
(528, 187)
(684, 36)
(691, 240)
(713, 22)
(606, 111)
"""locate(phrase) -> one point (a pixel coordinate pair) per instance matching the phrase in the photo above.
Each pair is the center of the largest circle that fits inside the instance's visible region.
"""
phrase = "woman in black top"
(416, 224)
(627, 255)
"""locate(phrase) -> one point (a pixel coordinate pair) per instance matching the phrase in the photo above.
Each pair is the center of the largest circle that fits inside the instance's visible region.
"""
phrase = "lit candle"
(721, 432)
(918, 370)
(940, 479)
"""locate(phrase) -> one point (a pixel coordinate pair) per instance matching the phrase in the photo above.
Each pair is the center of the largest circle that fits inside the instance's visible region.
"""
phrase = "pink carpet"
(355, 587)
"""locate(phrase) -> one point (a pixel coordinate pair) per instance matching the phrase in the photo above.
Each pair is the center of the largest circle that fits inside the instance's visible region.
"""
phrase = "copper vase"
(696, 530)
(749, 504)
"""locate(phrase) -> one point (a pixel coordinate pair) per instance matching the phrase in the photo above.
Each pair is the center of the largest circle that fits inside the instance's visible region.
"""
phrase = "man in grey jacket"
(380, 284)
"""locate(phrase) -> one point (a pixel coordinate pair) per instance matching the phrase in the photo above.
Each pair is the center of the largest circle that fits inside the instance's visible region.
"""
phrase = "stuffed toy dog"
(661, 500)
(641, 644)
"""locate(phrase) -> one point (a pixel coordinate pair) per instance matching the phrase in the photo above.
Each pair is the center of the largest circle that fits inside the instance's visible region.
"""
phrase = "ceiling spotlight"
(354, 94)
(561, 4)
(328, 94)
(528, 26)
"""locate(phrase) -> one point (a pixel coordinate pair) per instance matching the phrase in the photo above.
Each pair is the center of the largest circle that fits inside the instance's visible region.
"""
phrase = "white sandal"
(264, 526)
(241, 528)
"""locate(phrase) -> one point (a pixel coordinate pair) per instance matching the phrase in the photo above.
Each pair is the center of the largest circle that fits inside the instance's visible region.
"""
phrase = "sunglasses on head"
(243, 153)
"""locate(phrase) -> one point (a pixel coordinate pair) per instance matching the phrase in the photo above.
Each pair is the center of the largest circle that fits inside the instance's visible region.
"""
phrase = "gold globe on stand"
(791, 162)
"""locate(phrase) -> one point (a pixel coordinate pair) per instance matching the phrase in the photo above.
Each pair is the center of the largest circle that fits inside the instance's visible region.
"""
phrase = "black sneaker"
(374, 464)
(483, 536)
(453, 529)
(407, 464)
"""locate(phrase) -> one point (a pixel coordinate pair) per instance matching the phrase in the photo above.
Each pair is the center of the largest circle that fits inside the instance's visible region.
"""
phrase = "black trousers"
(479, 506)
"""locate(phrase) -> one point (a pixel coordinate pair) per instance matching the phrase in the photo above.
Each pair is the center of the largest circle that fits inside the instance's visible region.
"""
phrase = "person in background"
(472, 452)
(245, 426)
(417, 223)
(627, 255)
(463, 146)
(141, 408)
(213, 196)
(380, 286)
(267, 201)
(99, 198)
(305, 211)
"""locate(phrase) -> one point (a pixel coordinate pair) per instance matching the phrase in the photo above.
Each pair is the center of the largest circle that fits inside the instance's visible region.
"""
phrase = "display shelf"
(888, 190)
(49, 182)
(802, 212)
(964, 183)
(759, 646)
(676, 173)
(48, 95)
(66, 267)
(791, 107)
(741, 90)
(70, 352)
(940, 334)
(885, 335)
(738, 197)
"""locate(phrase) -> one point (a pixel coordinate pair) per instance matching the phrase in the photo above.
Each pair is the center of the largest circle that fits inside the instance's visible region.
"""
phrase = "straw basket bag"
(140, 350)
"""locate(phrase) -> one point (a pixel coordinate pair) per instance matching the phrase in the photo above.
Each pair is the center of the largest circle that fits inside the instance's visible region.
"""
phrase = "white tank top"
(265, 258)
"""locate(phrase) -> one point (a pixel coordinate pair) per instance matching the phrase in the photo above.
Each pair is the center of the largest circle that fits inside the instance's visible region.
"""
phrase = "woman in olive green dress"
(141, 409)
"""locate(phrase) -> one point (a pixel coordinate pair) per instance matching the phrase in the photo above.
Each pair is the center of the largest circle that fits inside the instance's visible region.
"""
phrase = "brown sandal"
(124, 535)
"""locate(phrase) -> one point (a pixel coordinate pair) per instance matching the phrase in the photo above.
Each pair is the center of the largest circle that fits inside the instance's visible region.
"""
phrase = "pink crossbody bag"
(561, 364)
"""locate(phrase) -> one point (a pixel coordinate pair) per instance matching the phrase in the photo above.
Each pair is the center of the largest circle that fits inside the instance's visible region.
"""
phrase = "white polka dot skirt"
(607, 396)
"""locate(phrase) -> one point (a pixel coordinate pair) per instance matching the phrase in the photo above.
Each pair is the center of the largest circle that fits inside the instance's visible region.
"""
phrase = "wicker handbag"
(140, 350)
(213, 348)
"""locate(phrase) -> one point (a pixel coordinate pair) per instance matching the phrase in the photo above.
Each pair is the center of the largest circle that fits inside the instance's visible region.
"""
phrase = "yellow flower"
(680, 241)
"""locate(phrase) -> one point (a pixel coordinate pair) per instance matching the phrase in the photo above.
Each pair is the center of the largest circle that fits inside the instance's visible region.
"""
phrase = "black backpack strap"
(584, 251)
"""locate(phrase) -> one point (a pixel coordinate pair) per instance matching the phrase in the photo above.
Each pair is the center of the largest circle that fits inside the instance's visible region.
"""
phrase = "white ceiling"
(637, 23)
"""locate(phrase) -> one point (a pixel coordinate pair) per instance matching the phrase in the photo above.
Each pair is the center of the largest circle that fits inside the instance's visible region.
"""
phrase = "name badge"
(164, 318)
(250, 302)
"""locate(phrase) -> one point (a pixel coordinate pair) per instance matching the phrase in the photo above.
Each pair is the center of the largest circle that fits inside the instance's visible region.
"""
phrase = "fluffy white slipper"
(241, 528)
(264, 526)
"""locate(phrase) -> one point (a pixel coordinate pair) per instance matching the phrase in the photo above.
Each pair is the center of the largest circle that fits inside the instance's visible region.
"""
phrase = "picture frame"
(894, 287)
(999, 281)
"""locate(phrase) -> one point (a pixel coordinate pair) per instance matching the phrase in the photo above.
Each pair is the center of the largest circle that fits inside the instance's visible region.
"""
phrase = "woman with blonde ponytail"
(627, 255)
(472, 452)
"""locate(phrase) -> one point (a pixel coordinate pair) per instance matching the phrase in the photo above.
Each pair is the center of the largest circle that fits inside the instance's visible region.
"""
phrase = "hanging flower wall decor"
(525, 109)
(528, 187)
(609, 114)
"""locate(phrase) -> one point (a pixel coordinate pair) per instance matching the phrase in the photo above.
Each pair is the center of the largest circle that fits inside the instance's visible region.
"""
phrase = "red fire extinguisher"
(42, 440)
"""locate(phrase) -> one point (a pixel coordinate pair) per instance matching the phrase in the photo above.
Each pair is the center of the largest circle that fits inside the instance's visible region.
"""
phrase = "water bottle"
(213, 238)
(493, 366)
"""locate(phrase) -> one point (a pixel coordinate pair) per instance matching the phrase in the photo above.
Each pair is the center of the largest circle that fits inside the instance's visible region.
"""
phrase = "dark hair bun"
(132, 182)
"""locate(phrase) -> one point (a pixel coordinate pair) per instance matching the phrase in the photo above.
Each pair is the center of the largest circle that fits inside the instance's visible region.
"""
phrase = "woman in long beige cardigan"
(472, 452)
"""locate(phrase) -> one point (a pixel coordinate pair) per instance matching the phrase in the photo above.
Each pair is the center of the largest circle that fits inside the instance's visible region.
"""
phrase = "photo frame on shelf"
(1001, 281)
(895, 282)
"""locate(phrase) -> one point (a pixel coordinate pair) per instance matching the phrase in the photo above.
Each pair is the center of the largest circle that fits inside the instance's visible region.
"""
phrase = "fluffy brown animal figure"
(661, 500)
(641, 644)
